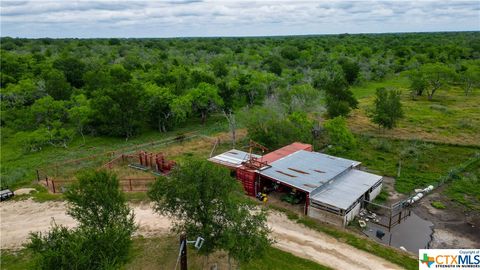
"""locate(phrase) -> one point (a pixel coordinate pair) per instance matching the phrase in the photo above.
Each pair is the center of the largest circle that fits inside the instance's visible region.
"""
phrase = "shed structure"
(334, 188)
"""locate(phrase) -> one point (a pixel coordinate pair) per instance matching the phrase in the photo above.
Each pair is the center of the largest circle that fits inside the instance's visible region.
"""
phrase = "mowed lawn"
(451, 117)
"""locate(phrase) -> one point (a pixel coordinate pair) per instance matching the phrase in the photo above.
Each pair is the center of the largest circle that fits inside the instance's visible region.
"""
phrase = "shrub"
(438, 205)
(338, 134)
(103, 237)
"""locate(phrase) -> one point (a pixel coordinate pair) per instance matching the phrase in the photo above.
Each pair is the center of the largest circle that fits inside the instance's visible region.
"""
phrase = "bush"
(103, 237)
(439, 108)
(339, 135)
(438, 205)
(381, 145)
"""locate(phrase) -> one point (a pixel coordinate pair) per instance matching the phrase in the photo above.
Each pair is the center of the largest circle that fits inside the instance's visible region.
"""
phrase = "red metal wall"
(247, 177)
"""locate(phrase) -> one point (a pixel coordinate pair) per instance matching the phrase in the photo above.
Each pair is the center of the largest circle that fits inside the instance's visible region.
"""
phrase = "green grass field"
(421, 163)
(451, 117)
(466, 189)
(18, 167)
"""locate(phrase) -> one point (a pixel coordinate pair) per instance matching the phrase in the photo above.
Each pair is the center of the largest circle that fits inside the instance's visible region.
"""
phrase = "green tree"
(181, 107)
(273, 64)
(98, 204)
(470, 79)
(119, 74)
(298, 97)
(388, 108)
(117, 111)
(50, 116)
(106, 224)
(24, 93)
(80, 113)
(219, 67)
(436, 75)
(95, 80)
(56, 85)
(338, 134)
(204, 200)
(290, 52)
(274, 129)
(157, 102)
(72, 68)
(339, 99)
(351, 70)
(205, 99)
(418, 84)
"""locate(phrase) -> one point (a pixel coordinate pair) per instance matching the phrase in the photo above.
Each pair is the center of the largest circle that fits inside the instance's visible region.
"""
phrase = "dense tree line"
(55, 89)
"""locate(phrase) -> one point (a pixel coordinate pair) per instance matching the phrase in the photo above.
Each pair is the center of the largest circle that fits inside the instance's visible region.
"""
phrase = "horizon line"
(253, 36)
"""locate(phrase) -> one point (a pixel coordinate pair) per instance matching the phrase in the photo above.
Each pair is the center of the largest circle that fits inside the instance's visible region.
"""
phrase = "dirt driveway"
(20, 218)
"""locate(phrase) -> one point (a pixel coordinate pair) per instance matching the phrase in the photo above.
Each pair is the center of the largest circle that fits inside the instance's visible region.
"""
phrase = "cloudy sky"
(181, 18)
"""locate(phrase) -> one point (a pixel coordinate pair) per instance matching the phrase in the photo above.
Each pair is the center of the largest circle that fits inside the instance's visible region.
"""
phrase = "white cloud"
(198, 18)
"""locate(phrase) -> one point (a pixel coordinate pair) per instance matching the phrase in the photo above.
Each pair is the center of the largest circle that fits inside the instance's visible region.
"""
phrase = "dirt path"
(18, 219)
(318, 247)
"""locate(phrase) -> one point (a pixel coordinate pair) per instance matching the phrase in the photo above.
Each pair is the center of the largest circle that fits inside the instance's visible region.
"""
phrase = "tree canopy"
(204, 200)
(136, 85)
(102, 239)
(388, 108)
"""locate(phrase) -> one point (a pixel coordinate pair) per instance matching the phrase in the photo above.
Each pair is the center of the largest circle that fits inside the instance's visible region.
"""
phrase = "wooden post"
(46, 180)
(38, 176)
(130, 181)
(53, 186)
(183, 252)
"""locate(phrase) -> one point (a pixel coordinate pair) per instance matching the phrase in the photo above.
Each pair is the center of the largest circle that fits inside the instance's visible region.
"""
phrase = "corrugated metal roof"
(285, 151)
(232, 158)
(307, 170)
(346, 189)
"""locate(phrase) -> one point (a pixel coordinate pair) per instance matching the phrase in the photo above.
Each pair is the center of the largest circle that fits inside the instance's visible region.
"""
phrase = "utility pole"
(183, 252)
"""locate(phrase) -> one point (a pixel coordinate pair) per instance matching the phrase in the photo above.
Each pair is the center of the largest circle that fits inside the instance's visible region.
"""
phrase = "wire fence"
(58, 176)
(137, 184)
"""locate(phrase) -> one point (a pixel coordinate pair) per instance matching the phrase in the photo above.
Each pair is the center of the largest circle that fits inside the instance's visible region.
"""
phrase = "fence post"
(38, 176)
(46, 180)
(53, 186)
(130, 181)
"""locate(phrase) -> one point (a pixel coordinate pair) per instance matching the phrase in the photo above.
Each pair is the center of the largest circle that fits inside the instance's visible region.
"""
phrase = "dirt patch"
(393, 195)
(318, 247)
(454, 226)
(23, 191)
(22, 217)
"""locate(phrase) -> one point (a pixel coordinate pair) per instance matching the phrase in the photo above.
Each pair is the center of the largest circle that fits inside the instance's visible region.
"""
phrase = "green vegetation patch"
(16, 260)
(161, 253)
(451, 116)
(421, 164)
(438, 205)
(19, 167)
(466, 189)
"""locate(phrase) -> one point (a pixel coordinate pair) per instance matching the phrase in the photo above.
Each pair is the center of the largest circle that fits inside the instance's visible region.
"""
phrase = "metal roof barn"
(346, 189)
(306, 170)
